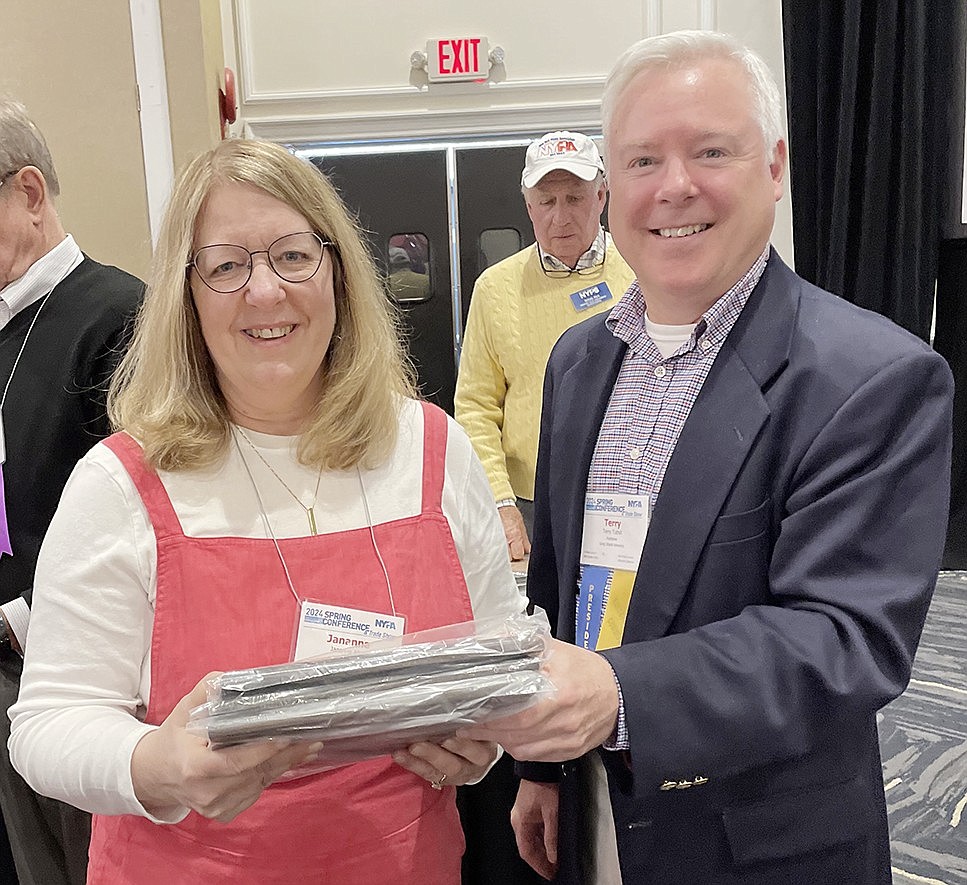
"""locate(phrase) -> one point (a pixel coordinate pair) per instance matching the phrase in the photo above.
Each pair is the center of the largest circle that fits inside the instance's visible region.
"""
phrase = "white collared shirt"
(40, 279)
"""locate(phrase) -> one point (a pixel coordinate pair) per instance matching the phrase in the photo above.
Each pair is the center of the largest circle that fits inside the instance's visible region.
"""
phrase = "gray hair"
(22, 144)
(678, 48)
(598, 182)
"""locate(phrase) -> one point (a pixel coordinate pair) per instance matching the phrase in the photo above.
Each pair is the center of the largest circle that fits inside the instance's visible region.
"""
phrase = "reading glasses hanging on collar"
(226, 268)
(562, 272)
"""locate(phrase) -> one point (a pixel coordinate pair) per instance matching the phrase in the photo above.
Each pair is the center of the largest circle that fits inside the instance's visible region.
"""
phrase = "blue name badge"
(585, 298)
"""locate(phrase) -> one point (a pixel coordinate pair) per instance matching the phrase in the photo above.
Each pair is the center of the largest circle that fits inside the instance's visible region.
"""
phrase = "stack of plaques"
(369, 702)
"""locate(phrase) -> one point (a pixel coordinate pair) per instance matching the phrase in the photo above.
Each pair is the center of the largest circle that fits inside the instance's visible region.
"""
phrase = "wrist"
(506, 502)
(152, 787)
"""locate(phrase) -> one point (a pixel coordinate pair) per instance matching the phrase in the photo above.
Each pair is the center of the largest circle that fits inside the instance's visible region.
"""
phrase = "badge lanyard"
(309, 613)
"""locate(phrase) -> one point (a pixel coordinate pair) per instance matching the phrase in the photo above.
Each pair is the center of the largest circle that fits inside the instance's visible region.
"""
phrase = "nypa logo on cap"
(570, 151)
(553, 147)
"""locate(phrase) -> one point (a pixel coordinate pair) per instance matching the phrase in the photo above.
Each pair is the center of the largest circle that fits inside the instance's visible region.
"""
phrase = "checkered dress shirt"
(651, 399)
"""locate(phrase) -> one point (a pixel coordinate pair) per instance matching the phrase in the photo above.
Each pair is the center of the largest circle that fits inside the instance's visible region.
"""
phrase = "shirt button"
(660, 371)
(635, 454)
(704, 343)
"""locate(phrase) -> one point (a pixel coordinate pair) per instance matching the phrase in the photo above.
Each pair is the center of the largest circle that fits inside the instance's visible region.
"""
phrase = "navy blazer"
(781, 592)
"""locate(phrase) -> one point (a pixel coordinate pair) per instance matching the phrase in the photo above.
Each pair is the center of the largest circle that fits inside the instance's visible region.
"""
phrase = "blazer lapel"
(718, 434)
(579, 406)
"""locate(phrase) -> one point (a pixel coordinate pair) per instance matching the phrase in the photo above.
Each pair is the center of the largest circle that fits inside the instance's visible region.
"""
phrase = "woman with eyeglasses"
(271, 455)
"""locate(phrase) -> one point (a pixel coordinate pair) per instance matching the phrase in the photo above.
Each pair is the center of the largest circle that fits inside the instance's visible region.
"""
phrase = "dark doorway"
(401, 202)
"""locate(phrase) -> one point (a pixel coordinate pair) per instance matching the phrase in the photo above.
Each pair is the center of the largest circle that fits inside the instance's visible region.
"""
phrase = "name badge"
(325, 628)
(615, 528)
(592, 295)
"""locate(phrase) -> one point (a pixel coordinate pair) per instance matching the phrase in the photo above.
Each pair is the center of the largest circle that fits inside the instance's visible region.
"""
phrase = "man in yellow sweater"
(522, 305)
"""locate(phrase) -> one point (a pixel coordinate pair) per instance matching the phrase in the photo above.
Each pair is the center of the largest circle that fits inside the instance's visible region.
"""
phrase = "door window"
(408, 267)
(496, 244)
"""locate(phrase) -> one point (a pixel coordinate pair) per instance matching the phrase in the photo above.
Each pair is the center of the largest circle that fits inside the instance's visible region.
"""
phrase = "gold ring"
(438, 784)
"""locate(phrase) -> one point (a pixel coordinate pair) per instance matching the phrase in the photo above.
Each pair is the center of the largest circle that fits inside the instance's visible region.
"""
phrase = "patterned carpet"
(923, 739)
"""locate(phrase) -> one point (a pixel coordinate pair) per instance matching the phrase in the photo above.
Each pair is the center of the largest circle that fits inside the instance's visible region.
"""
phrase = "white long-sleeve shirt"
(87, 678)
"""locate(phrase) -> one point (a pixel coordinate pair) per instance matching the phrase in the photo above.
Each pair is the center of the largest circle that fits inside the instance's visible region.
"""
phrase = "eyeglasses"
(6, 175)
(226, 268)
(559, 273)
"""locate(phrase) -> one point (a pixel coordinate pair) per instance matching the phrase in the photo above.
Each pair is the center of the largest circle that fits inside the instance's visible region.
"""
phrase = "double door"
(435, 216)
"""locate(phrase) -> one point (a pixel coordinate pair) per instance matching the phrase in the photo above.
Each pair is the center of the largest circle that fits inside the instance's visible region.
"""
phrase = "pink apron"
(223, 604)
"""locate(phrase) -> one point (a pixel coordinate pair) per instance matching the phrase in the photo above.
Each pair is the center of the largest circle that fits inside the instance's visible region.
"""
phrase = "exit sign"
(458, 58)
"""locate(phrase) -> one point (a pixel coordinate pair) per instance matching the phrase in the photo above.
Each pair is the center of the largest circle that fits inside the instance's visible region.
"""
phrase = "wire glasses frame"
(560, 273)
(226, 268)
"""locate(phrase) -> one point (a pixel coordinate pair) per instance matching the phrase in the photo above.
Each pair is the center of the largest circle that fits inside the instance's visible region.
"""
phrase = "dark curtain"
(951, 341)
(872, 90)
(951, 335)
(866, 81)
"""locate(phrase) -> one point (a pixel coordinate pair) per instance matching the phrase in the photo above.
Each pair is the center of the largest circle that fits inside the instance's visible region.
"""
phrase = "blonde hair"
(165, 391)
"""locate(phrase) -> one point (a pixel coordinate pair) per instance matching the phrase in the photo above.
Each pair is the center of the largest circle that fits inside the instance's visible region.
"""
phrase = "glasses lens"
(296, 257)
(223, 267)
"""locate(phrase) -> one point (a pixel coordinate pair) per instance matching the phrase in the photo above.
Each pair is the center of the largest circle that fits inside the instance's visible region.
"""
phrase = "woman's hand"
(454, 762)
(173, 769)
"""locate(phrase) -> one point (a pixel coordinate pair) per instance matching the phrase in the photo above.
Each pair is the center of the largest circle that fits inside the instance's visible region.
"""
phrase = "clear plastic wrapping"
(369, 702)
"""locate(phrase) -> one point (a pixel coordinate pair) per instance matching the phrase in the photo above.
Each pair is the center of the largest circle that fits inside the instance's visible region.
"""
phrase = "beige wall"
(194, 62)
(73, 66)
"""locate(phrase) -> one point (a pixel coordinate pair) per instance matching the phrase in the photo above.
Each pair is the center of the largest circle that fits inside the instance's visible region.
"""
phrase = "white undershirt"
(668, 338)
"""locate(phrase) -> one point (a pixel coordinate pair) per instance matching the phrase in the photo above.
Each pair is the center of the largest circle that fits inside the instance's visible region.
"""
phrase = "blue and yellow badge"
(615, 528)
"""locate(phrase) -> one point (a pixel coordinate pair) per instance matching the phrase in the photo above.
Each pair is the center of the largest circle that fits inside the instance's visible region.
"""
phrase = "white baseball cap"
(570, 151)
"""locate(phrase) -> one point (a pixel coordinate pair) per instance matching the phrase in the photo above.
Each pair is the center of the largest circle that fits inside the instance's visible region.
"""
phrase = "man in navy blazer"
(793, 451)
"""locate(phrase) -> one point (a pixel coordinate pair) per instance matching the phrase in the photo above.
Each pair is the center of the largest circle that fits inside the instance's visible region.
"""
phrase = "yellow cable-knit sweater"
(517, 313)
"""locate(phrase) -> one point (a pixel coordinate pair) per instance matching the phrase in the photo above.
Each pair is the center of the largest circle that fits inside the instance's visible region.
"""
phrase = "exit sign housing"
(458, 58)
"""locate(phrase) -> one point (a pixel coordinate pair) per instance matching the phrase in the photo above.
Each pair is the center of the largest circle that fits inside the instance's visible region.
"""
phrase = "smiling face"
(268, 340)
(566, 212)
(693, 189)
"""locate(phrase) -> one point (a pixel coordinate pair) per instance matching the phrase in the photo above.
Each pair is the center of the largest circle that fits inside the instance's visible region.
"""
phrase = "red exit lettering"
(459, 56)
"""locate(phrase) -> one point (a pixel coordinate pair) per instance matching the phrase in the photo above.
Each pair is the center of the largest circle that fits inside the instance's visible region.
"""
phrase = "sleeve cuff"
(619, 738)
(17, 615)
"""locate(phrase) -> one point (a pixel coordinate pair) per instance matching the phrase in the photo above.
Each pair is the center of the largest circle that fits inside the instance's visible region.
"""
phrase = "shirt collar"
(593, 257)
(42, 276)
(627, 319)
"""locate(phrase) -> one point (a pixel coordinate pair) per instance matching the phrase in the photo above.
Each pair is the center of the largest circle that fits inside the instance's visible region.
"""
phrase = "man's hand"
(534, 819)
(518, 544)
(582, 713)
